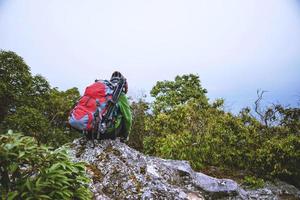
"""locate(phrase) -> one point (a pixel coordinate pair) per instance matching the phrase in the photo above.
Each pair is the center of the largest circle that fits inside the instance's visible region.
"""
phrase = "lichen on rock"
(120, 172)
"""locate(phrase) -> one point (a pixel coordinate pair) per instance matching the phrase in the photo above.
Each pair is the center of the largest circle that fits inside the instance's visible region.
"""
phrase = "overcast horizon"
(236, 47)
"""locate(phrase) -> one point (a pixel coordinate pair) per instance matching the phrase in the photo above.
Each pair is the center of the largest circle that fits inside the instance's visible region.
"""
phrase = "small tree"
(15, 78)
(183, 89)
(30, 121)
(31, 171)
(138, 130)
(28, 104)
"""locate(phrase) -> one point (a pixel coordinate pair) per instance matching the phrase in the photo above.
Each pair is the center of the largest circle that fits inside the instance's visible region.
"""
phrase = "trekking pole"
(96, 123)
(106, 119)
(93, 139)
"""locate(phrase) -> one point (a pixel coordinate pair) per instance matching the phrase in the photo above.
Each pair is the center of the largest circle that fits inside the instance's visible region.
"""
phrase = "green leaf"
(12, 195)
(21, 154)
(43, 196)
(28, 185)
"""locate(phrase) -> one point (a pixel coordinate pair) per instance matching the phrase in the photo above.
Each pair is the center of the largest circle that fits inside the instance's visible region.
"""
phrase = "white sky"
(234, 46)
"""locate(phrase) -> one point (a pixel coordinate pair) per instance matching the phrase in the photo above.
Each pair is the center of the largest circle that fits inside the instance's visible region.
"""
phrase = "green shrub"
(28, 103)
(279, 157)
(138, 131)
(30, 120)
(149, 144)
(185, 126)
(253, 182)
(30, 171)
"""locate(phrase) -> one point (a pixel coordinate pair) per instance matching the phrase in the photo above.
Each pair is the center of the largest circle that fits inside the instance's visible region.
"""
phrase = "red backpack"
(95, 96)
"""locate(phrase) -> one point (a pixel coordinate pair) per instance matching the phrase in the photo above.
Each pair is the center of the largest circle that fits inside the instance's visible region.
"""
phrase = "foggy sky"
(236, 47)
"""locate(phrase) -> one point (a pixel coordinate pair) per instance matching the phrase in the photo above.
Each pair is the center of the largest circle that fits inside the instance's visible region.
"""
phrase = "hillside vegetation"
(32, 171)
(181, 123)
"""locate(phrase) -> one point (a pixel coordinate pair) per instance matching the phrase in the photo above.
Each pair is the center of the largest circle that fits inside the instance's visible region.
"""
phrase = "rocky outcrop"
(120, 172)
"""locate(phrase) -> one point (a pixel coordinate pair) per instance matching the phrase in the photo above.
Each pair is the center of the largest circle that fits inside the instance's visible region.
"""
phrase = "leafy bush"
(279, 157)
(253, 182)
(138, 130)
(15, 80)
(30, 171)
(184, 125)
(30, 120)
(29, 105)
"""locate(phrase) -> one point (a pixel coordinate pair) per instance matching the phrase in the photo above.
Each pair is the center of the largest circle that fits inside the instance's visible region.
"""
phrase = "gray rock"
(120, 172)
(277, 190)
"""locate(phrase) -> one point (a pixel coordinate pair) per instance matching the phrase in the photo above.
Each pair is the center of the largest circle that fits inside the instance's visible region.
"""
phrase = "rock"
(120, 172)
(277, 190)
